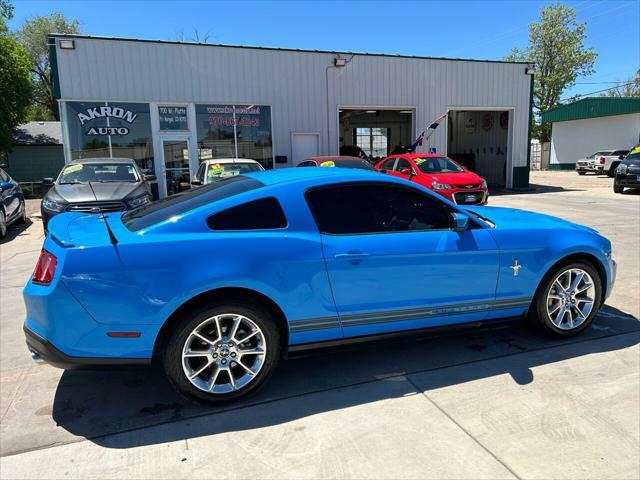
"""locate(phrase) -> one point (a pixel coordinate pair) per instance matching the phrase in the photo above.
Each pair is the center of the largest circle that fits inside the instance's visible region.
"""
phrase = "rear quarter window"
(263, 214)
(162, 210)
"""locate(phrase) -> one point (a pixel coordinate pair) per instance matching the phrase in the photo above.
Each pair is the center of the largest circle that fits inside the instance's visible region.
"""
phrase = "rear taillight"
(601, 160)
(45, 268)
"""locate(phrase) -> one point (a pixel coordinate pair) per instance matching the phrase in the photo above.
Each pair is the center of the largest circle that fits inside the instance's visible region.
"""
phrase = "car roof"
(231, 160)
(421, 155)
(326, 158)
(290, 174)
(101, 160)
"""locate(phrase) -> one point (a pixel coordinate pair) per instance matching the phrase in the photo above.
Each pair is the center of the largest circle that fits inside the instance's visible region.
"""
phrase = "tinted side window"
(375, 208)
(402, 163)
(388, 164)
(263, 214)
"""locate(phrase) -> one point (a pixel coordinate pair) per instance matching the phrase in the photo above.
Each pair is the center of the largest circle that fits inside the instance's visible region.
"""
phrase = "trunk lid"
(80, 230)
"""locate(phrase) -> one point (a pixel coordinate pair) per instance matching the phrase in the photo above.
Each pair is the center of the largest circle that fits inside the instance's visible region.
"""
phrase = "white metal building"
(171, 105)
(590, 125)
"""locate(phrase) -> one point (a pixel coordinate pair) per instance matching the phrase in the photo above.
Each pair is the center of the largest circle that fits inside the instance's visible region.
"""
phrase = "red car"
(440, 174)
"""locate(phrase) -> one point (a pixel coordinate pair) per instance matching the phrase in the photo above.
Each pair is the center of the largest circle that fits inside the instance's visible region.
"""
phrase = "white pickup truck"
(603, 161)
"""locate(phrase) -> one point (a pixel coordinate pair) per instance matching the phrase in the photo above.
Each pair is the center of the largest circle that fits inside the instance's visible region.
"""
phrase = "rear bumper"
(590, 168)
(44, 351)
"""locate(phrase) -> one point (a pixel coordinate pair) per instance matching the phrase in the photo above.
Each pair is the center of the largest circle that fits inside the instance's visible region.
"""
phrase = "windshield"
(360, 164)
(605, 152)
(98, 172)
(437, 165)
(175, 205)
(223, 170)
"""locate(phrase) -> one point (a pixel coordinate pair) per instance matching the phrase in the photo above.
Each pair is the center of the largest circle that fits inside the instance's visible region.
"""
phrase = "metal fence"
(540, 156)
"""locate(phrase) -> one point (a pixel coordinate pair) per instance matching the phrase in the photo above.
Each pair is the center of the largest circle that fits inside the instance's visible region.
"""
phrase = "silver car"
(603, 161)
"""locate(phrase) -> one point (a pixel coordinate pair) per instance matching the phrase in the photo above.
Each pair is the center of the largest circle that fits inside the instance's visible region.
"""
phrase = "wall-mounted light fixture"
(529, 71)
(339, 62)
(66, 43)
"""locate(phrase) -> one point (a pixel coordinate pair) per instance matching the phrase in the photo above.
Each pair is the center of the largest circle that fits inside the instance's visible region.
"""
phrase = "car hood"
(97, 192)
(458, 179)
(513, 218)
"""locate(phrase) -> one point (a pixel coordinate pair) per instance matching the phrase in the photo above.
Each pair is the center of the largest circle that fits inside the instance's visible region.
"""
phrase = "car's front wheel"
(568, 299)
(617, 188)
(22, 218)
(222, 352)
(582, 173)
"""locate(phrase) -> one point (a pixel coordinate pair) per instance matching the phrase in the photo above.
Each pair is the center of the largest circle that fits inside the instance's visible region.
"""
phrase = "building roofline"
(279, 49)
(592, 107)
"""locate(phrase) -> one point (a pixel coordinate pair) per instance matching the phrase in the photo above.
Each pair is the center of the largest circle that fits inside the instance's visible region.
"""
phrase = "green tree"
(34, 36)
(629, 88)
(556, 48)
(16, 87)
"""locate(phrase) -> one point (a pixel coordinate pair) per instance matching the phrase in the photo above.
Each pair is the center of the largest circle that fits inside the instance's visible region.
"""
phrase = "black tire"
(582, 173)
(22, 219)
(617, 188)
(3, 224)
(538, 315)
(612, 169)
(178, 336)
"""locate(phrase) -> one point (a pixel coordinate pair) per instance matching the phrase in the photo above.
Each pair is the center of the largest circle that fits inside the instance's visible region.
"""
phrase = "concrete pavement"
(497, 403)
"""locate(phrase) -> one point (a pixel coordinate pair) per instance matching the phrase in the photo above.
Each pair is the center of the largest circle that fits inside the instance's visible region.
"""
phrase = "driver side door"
(395, 264)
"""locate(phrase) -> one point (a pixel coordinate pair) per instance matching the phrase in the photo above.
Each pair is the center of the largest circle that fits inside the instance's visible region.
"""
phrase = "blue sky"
(461, 29)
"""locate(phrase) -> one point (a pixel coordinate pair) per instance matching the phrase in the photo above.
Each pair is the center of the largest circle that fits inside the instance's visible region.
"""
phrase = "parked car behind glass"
(603, 161)
(212, 170)
(12, 206)
(96, 185)
(440, 174)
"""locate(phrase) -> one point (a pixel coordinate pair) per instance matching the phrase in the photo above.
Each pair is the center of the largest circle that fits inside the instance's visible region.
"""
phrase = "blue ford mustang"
(218, 282)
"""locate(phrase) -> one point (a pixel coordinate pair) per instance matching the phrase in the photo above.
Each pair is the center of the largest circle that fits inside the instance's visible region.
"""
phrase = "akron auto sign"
(107, 112)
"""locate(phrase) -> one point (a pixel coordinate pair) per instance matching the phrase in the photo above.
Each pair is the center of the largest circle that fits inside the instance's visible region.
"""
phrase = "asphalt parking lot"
(495, 403)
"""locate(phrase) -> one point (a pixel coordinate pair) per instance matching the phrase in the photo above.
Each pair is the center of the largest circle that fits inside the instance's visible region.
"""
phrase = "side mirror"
(406, 171)
(196, 182)
(459, 222)
(5, 186)
(149, 178)
(47, 181)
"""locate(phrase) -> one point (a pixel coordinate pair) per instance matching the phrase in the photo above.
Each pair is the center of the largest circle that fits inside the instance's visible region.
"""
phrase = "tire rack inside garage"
(479, 139)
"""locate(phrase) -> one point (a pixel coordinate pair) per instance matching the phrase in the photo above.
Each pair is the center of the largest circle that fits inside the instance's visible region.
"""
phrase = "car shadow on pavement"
(98, 404)
(15, 230)
(531, 189)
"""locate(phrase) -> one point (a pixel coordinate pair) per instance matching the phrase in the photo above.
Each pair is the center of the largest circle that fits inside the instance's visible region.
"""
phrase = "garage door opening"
(479, 139)
(374, 133)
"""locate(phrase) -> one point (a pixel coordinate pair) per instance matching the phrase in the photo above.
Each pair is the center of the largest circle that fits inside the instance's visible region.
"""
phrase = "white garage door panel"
(304, 145)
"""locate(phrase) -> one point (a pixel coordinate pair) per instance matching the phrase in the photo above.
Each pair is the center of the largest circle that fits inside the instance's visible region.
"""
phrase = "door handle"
(352, 257)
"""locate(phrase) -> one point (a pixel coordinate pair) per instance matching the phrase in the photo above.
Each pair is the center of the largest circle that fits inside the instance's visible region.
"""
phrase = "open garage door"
(374, 133)
(479, 140)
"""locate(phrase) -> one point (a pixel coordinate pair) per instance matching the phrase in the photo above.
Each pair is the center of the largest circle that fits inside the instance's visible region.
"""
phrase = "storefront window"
(227, 131)
(108, 129)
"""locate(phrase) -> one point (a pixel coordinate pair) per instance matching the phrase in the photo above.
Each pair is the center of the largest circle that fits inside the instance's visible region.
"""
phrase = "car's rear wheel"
(617, 188)
(568, 299)
(222, 352)
(582, 173)
(22, 218)
(612, 170)
(3, 224)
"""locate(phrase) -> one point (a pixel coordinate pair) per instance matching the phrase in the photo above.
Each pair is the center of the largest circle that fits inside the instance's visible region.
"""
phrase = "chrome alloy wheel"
(571, 298)
(224, 353)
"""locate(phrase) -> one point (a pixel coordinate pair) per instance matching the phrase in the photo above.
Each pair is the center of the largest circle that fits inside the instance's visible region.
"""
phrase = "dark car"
(341, 161)
(12, 208)
(96, 185)
(627, 175)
